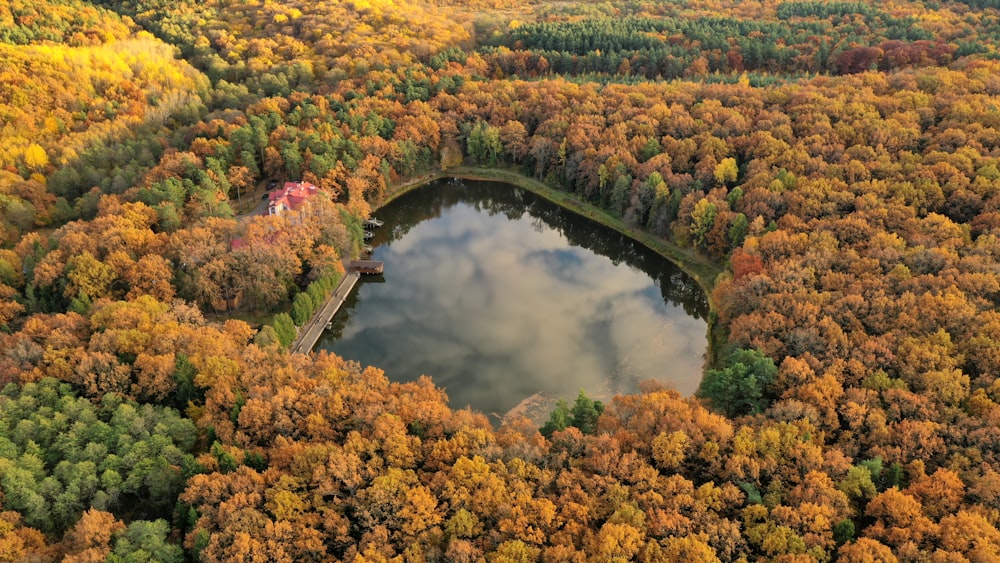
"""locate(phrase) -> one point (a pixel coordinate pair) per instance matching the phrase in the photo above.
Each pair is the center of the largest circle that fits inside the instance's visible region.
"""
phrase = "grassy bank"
(703, 270)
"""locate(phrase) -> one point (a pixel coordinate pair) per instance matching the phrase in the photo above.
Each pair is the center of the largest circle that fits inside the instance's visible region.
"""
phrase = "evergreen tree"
(744, 386)
(559, 419)
(585, 413)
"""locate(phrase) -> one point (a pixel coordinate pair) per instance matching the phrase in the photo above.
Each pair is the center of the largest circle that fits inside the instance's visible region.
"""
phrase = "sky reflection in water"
(485, 293)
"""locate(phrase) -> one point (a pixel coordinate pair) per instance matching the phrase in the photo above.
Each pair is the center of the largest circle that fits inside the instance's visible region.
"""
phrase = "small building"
(290, 198)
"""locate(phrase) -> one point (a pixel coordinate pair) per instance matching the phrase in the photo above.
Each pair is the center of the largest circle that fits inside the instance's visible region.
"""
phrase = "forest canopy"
(837, 162)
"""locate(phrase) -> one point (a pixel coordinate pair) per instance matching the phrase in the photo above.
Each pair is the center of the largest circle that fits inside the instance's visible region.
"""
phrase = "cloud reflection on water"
(496, 310)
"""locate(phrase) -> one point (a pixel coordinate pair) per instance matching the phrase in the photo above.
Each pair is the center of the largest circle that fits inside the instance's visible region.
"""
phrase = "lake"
(499, 295)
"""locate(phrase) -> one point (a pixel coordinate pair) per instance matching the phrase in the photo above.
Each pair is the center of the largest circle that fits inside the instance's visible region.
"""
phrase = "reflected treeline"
(496, 198)
(417, 206)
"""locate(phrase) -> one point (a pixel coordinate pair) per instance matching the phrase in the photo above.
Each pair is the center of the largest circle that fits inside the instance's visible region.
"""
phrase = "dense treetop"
(70, 22)
(840, 161)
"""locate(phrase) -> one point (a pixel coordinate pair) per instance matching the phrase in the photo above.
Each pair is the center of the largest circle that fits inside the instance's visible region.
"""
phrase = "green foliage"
(880, 381)
(585, 413)
(227, 463)
(702, 220)
(601, 44)
(874, 466)
(201, 540)
(317, 292)
(738, 230)
(255, 460)
(145, 542)
(787, 10)
(484, 143)
(169, 218)
(843, 531)
(355, 231)
(302, 309)
(452, 54)
(266, 336)
(64, 455)
(743, 387)
(81, 303)
(752, 492)
(858, 485)
(234, 413)
(883, 478)
(559, 419)
(620, 193)
(649, 150)
(285, 328)
(583, 416)
(187, 391)
(893, 477)
(982, 4)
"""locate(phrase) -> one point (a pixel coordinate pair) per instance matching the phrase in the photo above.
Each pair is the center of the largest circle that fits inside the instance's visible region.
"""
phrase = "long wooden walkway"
(310, 333)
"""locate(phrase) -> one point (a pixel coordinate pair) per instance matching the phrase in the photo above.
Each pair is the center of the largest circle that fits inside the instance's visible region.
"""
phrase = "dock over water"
(371, 267)
(310, 333)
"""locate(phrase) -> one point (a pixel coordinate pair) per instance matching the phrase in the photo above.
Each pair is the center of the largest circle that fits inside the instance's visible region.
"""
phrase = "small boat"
(373, 223)
(369, 235)
(367, 249)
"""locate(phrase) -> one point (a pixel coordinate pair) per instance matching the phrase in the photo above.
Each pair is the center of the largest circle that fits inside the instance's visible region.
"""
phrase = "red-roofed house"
(290, 198)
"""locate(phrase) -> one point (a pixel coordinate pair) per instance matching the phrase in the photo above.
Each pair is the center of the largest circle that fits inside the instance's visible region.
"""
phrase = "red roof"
(291, 197)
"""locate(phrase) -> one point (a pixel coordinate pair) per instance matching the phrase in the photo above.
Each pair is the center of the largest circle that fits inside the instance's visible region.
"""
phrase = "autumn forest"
(828, 170)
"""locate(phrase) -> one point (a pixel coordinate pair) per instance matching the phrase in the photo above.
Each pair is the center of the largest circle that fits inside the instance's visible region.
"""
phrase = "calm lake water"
(498, 295)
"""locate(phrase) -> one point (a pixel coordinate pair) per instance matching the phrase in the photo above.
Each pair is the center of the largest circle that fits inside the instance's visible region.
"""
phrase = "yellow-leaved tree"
(35, 157)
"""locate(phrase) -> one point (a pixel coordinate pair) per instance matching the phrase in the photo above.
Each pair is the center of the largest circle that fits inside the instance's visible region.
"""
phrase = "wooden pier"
(310, 333)
(370, 267)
